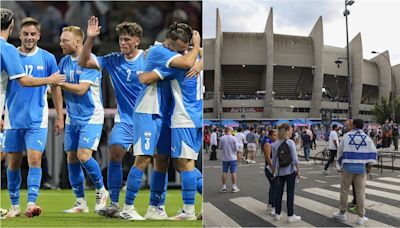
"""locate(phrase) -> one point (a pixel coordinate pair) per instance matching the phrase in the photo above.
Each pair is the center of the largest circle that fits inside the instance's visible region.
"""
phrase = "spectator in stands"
(79, 11)
(178, 15)
(50, 19)
(357, 154)
(18, 15)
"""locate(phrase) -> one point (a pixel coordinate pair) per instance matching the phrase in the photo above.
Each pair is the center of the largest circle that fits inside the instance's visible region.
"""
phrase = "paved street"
(317, 197)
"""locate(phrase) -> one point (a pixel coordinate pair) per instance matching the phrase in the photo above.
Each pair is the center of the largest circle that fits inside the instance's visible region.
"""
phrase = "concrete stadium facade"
(284, 76)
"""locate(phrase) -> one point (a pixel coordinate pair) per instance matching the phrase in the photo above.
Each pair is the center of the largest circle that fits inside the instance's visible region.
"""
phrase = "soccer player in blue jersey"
(122, 67)
(186, 122)
(84, 121)
(26, 126)
(151, 117)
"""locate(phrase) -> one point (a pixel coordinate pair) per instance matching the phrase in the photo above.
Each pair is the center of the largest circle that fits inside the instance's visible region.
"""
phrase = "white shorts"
(251, 147)
(240, 147)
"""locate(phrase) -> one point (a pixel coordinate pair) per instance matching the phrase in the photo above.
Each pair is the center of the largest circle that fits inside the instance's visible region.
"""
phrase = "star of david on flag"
(357, 140)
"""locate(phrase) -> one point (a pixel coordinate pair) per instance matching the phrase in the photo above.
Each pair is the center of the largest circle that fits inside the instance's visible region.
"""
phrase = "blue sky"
(378, 21)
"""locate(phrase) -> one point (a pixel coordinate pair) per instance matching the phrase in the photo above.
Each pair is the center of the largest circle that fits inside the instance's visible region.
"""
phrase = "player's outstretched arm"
(53, 79)
(188, 60)
(85, 58)
(79, 89)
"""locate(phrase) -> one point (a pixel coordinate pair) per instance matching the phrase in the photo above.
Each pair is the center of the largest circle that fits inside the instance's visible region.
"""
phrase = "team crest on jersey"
(39, 67)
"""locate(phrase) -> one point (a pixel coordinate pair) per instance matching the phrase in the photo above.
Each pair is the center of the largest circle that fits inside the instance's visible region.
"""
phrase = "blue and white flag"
(357, 148)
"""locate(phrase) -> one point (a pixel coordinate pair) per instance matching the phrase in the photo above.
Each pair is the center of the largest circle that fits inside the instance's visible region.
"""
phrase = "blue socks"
(133, 185)
(76, 178)
(199, 177)
(189, 182)
(93, 169)
(34, 178)
(158, 188)
(13, 185)
(114, 180)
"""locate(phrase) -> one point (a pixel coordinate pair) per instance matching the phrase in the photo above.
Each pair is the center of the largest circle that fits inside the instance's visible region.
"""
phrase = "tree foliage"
(383, 110)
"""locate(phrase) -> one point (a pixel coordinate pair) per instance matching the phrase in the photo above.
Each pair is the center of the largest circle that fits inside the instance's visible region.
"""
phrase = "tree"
(383, 110)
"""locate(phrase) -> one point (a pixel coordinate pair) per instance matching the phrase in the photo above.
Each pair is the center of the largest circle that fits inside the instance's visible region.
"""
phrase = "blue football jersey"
(11, 67)
(18, 114)
(86, 109)
(187, 103)
(155, 98)
(124, 79)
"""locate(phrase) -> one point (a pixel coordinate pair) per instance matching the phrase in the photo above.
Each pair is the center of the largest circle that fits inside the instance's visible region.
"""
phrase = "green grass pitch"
(53, 202)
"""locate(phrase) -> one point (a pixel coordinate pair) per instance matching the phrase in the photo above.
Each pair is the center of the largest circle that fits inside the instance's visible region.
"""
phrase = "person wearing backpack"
(285, 162)
(332, 147)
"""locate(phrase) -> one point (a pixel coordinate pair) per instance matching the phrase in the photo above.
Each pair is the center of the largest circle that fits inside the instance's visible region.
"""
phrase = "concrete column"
(356, 67)
(396, 72)
(269, 69)
(217, 69)
(317, 35)
(385, 79)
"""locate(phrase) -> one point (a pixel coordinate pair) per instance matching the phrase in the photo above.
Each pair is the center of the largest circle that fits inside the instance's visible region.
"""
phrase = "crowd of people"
(354, 145)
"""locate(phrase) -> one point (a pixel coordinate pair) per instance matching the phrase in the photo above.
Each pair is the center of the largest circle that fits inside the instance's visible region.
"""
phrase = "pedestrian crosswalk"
(369, 204)
(258, 208)
(391, 179)
(382, 201)
(388, 195)
(216, 218)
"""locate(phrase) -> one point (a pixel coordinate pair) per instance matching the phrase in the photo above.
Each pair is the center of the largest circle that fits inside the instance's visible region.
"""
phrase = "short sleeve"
(89, 75)
(293, 152)
(162, 56)
(102, 62)
(164, 72)
(12, 63)
(51, 65)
